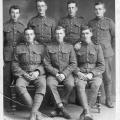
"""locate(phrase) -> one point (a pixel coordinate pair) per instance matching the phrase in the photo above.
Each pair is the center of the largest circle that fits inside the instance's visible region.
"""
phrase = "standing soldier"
(13, 34)
(104, 34)
(72, 23)
(28, 68)
(91, 65)
(43, 25)
(60, 61)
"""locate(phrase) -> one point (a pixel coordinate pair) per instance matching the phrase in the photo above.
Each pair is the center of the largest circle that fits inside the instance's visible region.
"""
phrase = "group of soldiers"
(48, 54)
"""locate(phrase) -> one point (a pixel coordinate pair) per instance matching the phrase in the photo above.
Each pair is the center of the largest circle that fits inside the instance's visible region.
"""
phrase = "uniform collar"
(99, 18)
(11, 21)
(62, 43)
(89, 44)
(28, 44)
(71, 17)
(41, 17)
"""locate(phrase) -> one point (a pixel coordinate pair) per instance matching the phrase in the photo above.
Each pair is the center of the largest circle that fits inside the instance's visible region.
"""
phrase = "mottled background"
(57, 9)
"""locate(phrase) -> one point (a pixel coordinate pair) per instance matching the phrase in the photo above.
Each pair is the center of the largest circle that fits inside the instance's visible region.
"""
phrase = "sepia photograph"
(59, 60)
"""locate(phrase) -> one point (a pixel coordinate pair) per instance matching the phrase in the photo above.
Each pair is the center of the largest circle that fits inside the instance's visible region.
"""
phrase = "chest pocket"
(8, 33)
(81, 56)
(76, 27)
(104, 26)
(53, 55)
(23, 56)
(47, 28)
(36, 57)
(65, 55)
(92, 56)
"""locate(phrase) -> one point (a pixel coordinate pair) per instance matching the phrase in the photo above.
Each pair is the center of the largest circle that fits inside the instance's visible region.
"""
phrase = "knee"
(69, 85)
(80, 85)
(41, 83)
(20, 87)
(51, 83)
(96, 84)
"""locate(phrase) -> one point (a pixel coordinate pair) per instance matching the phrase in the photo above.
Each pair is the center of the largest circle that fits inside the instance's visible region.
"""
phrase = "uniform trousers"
(107, 78)
(94, 84)
(52, 84)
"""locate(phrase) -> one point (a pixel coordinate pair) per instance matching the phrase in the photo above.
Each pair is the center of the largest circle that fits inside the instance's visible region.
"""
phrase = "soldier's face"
(72, 9)
(60, 34)
(15, 14)
(29, 36)
(100, 10)
(41, 7)
(86, 35)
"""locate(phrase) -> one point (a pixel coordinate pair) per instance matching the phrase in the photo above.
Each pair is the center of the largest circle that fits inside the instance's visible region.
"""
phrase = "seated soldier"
(60, 61)
(91, 65)
(27, 67)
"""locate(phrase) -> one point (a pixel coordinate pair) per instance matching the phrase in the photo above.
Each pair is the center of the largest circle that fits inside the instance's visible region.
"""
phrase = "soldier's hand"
(62, 76)
(77, 46)
(28, 77)
(34, 75)
(82, 76)
(58, 76)
(89, 76)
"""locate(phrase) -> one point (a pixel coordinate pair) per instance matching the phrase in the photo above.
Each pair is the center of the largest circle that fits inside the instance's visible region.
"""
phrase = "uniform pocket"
(65, 55)
(104, 27)
(105, 45)
(76, 27)
(8, 53)
(36, 57)
(53, 55)
(23, 57)
(92, 56)
(47, 28)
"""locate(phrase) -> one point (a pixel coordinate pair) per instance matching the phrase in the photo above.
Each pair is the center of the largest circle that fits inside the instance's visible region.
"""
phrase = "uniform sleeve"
(100, 64)
(72, 64)
(48, 65)
(16, 69)
(112, 31)
(29, 23)
(53, 29)
(41, 67)
(41, 70)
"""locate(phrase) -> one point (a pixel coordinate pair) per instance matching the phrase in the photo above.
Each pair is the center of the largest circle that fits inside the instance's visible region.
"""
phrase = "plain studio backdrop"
(58, 9)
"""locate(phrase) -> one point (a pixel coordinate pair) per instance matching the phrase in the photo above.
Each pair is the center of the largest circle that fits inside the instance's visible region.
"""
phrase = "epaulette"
(21, 24)
(108, 18)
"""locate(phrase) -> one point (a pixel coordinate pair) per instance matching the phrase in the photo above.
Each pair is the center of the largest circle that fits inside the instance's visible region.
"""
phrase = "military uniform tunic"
(12, 35)
(44, 28)
(28, 58)
(60, 58)
(90, 60)
(104, 34)
(72, 27)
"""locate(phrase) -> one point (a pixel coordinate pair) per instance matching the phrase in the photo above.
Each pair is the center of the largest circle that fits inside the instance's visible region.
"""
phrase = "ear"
(91, 34)
(76, 8)
(19, 14)
(46, 7)
(104, 10)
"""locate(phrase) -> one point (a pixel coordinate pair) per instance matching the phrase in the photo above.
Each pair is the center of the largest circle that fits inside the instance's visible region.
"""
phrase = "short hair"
(14, 7)
(28, 28)
(41, 1)
(60, 28)
(72, 1)
(85, 27)
(100, 3)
